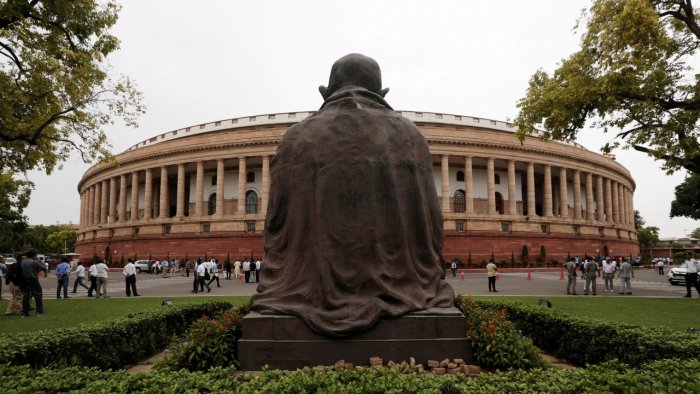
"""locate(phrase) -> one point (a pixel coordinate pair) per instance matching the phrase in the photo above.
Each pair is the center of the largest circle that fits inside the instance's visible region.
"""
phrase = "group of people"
(591, 270)
(22, 278)
(207, 272)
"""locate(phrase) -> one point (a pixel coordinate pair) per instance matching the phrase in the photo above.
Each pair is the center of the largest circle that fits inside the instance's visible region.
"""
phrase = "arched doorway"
(459, 202)
(499, 203)
(211, 207)
(251, 202)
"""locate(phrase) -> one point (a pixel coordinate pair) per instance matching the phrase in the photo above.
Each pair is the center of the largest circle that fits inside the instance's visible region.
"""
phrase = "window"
(601, 231)
(577, 229)
(459, 202)
(250, 226)
(251, 202)
(544, 227)
(166, 229)
(213, 180)
(505, 227)
(618, 233)
(459, 226)
(206, 227)
(499, 203)
(250, 177)
(212, 204)
(496, 179)
(111, 232)
(136, 231)
(271, 117)
(460, 176)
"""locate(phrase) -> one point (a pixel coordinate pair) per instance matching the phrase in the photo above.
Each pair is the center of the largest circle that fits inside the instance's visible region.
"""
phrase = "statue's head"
(354, 70)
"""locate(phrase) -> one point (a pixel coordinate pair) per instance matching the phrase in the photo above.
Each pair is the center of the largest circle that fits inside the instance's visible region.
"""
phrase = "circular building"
(203, 190)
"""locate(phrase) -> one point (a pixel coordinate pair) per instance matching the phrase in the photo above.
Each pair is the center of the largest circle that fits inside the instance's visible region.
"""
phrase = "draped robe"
(353, 231)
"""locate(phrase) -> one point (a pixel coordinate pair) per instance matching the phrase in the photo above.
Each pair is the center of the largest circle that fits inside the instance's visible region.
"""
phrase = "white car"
(676, 275)
(9, 260)
(144, 265)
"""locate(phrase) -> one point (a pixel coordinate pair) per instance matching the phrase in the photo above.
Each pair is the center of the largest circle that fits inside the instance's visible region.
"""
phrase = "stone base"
(285, 342)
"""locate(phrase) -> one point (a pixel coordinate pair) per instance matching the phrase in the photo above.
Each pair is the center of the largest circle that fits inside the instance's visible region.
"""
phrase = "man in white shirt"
(130, 277)
(691, 274)
(202, 271)
(257, 270)
(79, 278)
(101, 275)
(608, 274)
(246, 270)
(92, 271)
(660, 266)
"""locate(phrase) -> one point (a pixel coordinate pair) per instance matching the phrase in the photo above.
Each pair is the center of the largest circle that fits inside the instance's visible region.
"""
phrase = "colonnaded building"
(203, 190)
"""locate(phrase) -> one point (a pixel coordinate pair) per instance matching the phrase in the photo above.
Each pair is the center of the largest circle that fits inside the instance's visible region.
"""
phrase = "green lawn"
(675, 313)
(73, 313)
(678, 314)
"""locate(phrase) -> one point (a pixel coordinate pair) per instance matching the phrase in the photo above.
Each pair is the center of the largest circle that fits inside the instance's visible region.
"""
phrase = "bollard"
(498, 277)
(529, 274)
(561, 274)
(461, 275)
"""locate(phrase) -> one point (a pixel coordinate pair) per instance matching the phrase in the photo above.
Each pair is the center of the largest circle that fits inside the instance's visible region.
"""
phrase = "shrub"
(495, 342)
(109, 344)
(592, 341)
(210, 342)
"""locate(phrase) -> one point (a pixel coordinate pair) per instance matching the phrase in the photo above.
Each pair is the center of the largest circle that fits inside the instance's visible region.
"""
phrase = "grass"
(678, 314)
(675, 313)
(76, 312)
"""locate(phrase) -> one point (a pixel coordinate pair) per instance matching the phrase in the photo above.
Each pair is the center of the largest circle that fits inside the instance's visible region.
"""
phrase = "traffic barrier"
(529, 274)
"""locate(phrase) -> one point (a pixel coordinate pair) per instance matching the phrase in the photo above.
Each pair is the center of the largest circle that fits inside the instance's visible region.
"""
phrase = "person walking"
(608, 275)
(165, 266)
(660, 266)
(102, 275)
(130, 278)
(92, 272)
(62, 272)
(188, 267)
(227, 268)
(79, 278)
(592, 271)
(624, 275)
(453, 267)
(246, 270)
(491, 272)
(570, 267)
(258, 265)
(691, 275)
(202, 275)
(213, 267)
(237, 268)
(30, 284)
(14, 281)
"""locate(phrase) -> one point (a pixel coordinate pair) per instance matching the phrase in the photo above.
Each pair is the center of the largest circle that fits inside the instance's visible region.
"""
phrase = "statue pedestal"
(285, 342)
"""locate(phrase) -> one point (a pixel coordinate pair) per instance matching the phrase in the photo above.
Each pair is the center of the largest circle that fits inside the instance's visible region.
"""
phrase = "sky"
(201, 61)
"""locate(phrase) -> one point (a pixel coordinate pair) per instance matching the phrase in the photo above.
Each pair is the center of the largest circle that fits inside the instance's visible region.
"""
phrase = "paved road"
(647, 283)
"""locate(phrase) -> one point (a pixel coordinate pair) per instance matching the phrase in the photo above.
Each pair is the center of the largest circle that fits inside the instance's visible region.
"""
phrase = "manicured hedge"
(592, 341)
(109, 344)
(668, 376)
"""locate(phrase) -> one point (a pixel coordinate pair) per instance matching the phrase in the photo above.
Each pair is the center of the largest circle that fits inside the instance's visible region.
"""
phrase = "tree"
(687, 200)
(695, 233)
(631, 76)
(56, 94)
(63, 240)
(648, 237)
(14, 197)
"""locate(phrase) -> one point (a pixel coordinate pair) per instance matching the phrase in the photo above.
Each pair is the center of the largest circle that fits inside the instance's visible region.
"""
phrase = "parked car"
(676, 275)
(144, 265)
(9, 260)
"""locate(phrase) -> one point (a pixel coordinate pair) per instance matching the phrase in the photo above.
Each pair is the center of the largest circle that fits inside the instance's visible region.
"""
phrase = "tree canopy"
(631, 76)
(648, 237)
(56, 93)
(695, 233)
(687, 198)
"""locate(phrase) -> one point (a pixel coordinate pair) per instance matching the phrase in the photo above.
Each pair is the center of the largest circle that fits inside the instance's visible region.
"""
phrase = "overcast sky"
(201, 61)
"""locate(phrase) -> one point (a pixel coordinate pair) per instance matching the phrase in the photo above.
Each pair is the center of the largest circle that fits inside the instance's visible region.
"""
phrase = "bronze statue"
(353, 231)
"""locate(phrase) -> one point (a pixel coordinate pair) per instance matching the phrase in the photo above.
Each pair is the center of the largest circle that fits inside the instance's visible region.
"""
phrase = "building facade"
(203, 190)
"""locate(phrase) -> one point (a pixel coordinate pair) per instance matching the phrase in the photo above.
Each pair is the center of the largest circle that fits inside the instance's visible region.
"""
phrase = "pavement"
(537, 282)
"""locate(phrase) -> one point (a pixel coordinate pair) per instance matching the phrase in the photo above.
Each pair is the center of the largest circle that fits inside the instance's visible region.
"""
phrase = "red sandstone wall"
(456, 245)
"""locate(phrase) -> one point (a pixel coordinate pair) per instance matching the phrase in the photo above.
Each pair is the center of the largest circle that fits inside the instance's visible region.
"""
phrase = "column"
(512, 206)
(148, 195)
(122, 198)
(82, 209)
(199, 190)
(590, 213)
(469, 184)
(241, 185)
(531, 204)
(547, 192)
(112, 213)
(103, 203)
(563, 194)
(600, 204)
(265, 183)
(91, 205)
(608, 201)
(445, 184)
(615, 190)
(490, 185)
(632, 207)
(220, 186)
(164, 210)
(623, 203)
(577, 194)
(180, 203)
(134, 196)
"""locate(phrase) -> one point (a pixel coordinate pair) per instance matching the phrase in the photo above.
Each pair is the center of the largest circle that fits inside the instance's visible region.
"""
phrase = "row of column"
(102, 202)
(613, 200)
